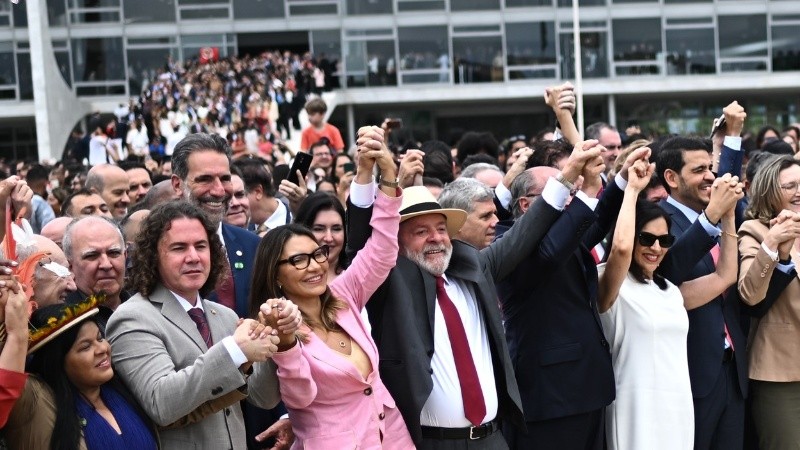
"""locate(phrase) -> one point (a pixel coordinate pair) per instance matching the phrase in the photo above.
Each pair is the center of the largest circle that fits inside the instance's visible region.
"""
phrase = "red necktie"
(715, 257)
(471, 393)
(226, 291)
(196, 314)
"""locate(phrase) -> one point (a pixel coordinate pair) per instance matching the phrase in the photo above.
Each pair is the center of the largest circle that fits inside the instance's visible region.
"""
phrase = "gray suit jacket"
(159, 353)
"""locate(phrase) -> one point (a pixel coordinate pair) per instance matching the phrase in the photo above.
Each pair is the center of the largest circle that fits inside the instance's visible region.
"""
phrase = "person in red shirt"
(316, 109)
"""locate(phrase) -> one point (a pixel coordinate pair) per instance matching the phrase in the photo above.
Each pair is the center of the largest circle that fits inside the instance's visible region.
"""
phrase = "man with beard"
(202, 175)
(435, 320)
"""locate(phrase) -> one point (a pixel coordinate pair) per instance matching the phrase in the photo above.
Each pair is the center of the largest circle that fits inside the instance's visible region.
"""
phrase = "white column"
(57, 108)
(612, 111)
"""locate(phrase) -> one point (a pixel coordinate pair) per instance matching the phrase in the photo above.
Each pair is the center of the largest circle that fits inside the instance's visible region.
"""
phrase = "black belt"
(727, 355)
(472, 433)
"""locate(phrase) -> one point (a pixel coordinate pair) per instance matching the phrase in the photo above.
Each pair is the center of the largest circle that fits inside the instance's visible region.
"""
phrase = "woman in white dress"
(644, 319)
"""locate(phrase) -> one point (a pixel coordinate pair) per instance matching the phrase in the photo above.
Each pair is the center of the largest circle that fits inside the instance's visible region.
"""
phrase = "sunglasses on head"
(648, 239)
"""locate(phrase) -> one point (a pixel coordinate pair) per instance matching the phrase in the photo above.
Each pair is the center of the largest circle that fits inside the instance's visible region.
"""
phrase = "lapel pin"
(214, 311)
(238, 253)
(238, 265)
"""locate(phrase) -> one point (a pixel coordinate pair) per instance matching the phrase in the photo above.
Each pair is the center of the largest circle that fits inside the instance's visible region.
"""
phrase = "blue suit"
(241, 246)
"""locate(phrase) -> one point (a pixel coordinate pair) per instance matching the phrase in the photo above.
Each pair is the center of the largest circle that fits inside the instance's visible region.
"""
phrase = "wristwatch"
(390, 184)
(567, 184)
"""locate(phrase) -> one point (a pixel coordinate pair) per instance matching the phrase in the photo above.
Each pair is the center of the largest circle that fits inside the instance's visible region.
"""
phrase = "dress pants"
(494, 441)
(579, 432)
(719, 416)
(776, 413)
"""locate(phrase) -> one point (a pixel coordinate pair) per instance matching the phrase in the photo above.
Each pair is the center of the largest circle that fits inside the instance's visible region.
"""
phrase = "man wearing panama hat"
(435, 319)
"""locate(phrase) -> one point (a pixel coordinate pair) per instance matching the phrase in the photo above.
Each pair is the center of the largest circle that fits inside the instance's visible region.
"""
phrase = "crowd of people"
(612, 290)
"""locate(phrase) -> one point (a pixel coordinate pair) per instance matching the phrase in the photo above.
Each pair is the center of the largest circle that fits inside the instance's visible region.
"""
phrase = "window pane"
(310, 10)
(327, 48)
(687, 1)
(359, 7)
(785, 48)
(252, 9)
(205, 13)
(146, 65)
(356, 63)
(582, 2)
(594, 55)
(56, 13)
(742, 36)
(62, 59)
(25, 76)
(92, 3)
(98, 59)
(473, 5)
(531, 74)
(690, 51)
(420, 5)
(381, 63)
(636, 39)
(7, 69)
(94, 17)
(423, 48)
(149, 11)
(743, 66)
(478, 59)
(20, 11)
(516, 3)
(531, 43)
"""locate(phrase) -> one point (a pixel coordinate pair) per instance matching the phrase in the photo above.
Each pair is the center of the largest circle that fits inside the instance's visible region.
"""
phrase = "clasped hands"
(278, 320)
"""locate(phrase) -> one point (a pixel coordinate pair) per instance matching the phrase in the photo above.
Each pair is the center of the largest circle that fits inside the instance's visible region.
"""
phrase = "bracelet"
(390, 184)
(709, 220)
(733, 235)
(567, 184)
(786, 261)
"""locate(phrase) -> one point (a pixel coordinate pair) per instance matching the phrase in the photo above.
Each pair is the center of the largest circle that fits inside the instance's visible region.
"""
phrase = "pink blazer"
(330, 404)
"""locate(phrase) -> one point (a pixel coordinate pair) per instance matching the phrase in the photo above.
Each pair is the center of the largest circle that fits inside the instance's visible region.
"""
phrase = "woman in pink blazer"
(328, 373)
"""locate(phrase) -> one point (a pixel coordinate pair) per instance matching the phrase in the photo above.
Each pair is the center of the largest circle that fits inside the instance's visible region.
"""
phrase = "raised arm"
(619, 258)
(758, 269)
(700, 291)
(562, 100)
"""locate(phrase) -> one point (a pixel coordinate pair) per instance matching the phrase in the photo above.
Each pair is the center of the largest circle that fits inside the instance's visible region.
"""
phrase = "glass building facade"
(105, 48)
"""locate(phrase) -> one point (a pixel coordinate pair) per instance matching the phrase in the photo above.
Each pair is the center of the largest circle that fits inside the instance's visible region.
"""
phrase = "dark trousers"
(719, 417)
(579, 432)
(494, 441)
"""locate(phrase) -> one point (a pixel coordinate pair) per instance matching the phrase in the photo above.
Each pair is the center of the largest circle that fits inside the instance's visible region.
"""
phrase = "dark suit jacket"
(549, 303)
(241, 246)
(402, 315)
(687, 259)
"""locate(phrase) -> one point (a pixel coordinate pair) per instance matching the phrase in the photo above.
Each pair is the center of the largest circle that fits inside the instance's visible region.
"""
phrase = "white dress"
(646, 328)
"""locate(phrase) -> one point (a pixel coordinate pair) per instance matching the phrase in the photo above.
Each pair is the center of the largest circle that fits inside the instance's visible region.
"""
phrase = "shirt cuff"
(773, 254)
(555, 194)
(590, 202)
(363, 195)
(237, 355)
(285, 416)
(622, 183)
(733, 142)
(503, 195)
(785, 268)
(712, 230)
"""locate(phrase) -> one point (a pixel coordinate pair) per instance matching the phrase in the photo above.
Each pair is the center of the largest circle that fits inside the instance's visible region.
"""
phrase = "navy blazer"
(241, 246)
(687, 259)
(555, 338)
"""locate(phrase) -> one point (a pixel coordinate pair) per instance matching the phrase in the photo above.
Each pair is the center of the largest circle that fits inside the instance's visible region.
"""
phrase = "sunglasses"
(648, 239)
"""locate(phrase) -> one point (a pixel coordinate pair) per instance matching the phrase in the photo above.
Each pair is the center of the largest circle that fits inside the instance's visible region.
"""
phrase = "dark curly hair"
(264, 284)
(145, 276)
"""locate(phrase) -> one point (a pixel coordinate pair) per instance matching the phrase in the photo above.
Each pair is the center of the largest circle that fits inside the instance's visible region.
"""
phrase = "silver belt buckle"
(471, 437)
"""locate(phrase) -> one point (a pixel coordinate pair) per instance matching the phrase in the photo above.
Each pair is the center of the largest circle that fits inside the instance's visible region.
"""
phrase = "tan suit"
(773, 350)
(159, 353)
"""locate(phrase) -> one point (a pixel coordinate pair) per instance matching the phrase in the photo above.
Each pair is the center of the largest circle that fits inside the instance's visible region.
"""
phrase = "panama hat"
(418, 201)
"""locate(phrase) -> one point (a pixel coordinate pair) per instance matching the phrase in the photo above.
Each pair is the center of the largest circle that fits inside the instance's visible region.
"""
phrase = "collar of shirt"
(185, 303)
(690, 214)
(219, 233)
(278, 216)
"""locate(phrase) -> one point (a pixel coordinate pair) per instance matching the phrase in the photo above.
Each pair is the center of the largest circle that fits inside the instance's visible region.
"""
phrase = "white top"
(647, 328)
(97, 150)
(445, 407)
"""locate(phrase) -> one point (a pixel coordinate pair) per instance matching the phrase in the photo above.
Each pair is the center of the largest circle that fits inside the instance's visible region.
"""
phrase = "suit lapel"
(174, 312)
(218, 328)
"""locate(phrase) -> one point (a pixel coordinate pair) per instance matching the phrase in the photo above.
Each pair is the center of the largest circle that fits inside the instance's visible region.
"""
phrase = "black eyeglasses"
(648, 239)
(301, 261)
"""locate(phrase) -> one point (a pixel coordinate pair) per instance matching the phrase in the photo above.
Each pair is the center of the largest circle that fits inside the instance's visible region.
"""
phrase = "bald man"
(52, 281)
(54, 230)
(160, 193)
(112, 184)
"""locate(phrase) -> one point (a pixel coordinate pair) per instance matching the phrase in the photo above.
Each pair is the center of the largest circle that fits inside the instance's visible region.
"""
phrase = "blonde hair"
(766, 195)
(623, 155)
